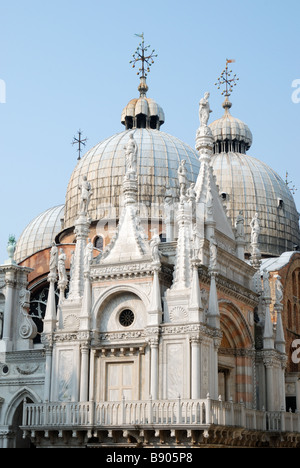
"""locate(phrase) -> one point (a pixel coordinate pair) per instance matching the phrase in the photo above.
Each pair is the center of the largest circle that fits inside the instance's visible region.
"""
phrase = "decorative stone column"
(269, 365)
(50, 315)
(84, 374)
(182, 270)
(48, 370)
(82, 226)
(154, 368)
(8, 311)
(268, 338)
(195, 366)
(195, 304)
(155, 306)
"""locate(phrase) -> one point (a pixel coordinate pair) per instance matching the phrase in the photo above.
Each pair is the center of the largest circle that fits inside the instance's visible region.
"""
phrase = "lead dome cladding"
(40, 233)
(249, 185)
(159, 156)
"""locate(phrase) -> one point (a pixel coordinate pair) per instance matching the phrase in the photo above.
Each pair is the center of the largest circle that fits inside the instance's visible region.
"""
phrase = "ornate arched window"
(38, 304)
(99, 242)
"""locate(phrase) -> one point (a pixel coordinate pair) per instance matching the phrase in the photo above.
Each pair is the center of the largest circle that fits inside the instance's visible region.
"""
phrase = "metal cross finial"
(288, 183)
(140, 56)
(79, 142)
(227, 79)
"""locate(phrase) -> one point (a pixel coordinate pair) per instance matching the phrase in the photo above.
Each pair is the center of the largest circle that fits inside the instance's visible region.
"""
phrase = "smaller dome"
(40, 233)
(230, 133)
(143, 112)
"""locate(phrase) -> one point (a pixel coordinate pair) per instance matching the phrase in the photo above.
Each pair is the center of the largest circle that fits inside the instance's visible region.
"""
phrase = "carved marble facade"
(145, 342)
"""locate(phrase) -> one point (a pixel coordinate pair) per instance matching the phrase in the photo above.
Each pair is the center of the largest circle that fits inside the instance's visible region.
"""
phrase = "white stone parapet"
(185, 414)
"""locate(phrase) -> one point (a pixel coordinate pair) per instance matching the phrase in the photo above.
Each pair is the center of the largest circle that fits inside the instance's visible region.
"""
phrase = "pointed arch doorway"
(235, 356)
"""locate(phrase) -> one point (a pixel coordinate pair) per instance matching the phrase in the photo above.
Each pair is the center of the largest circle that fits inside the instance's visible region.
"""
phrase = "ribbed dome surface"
(159, 155)
(40, 233)
(250, 185)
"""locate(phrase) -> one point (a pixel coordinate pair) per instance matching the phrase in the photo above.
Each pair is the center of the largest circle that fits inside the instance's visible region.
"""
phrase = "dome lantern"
(230, 134)
(143, 112)
(248, 184)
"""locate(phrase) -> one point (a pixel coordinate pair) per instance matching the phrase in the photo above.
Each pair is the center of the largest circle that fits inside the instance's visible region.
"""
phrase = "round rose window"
(126, 318)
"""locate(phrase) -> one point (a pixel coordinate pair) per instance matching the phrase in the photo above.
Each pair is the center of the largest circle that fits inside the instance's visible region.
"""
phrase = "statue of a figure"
(266, 283)
(198, 243)
(239, 225)
(28, 329)
(191, 192)
(88, 256)
(53, 259)
(72, 264)
(278, 290)
(182, 178)
(131, 151)
(213, 253)
(204, 110)
(209, 204)
(86, 193)
(62, 274)
(24, 299)
(168, 195)
(255, 229)
(11, 247)
(154, 243)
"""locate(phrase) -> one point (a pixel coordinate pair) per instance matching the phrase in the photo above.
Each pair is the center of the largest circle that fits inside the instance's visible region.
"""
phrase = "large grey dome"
(249, 185)
(159, 155)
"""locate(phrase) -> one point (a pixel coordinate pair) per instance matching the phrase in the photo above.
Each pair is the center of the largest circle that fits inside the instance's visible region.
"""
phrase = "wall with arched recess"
(236, 353)
(109, 295)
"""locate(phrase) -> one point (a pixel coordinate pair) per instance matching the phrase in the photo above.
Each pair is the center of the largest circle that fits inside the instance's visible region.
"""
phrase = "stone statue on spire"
(154, 246)
(204, 110)
(53, 259)
(255, 231)
(85, 189)
(61, 265)
(131, 151)
(182, 177)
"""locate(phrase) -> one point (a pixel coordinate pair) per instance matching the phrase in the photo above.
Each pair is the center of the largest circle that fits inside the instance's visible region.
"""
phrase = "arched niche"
(235, 362)
(110, 304)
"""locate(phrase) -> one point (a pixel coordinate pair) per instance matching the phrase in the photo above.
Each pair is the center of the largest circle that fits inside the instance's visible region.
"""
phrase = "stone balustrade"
(155, 414)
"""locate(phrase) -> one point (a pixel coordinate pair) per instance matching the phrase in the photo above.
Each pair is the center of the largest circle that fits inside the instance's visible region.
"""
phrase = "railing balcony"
(189, 414)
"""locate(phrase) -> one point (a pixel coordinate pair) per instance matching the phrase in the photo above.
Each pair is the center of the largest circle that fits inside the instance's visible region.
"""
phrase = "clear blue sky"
(66, 66)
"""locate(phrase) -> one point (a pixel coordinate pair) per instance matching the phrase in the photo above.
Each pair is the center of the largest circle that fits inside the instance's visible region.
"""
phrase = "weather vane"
(78, 141)
(227, 79)
(292, 188)
(141, 55)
